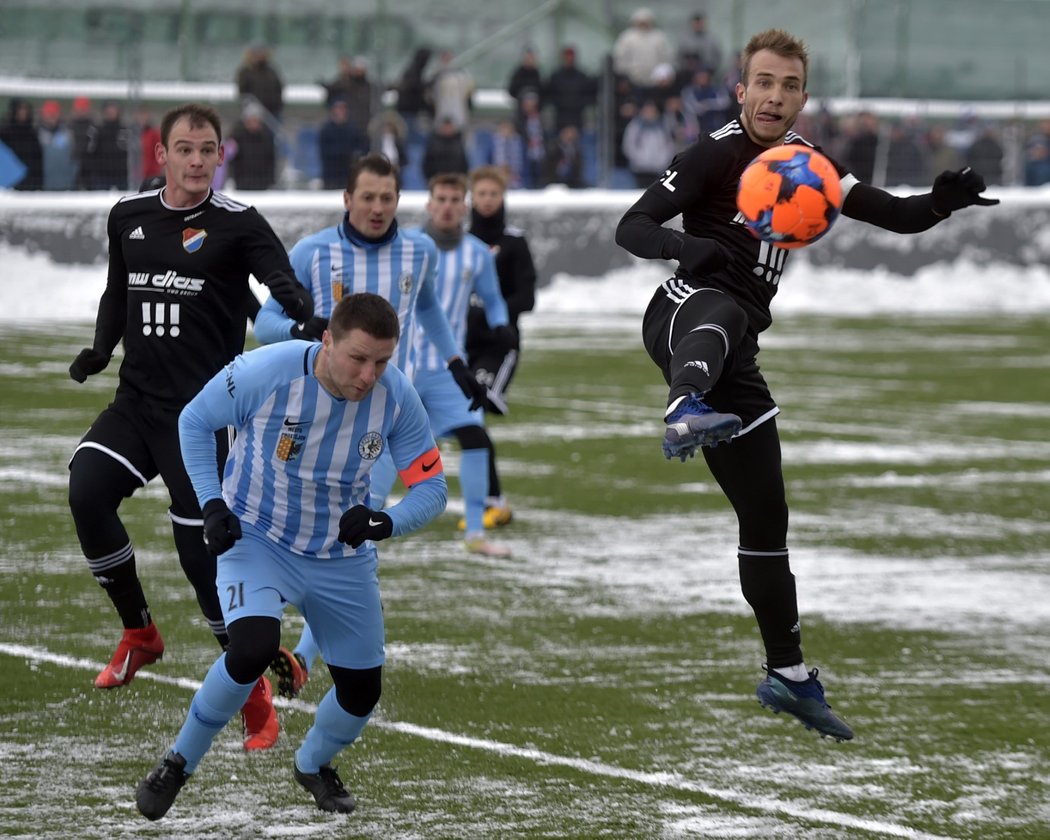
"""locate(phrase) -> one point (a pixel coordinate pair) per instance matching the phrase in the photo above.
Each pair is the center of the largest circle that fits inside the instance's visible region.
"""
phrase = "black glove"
(312, 330)
(222, 528)
(361, 523)
(292, 296)
(471, 388)
(88, 362)
(505, 338)
(698, 255)
(955, 190)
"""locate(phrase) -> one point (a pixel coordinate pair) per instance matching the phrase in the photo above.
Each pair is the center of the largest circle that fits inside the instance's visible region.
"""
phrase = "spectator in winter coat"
(445, 151)
(647, 144)
(525, 78)
(569, 91)
(339, 144)
(19, 134)
(412, 102)
(701, 45)
(640, 48)
(257, 78)
(85, 135)
(564, 161)
(56, 144)
(353, 87)
(109, 158)
(451, 90)
(254, 167)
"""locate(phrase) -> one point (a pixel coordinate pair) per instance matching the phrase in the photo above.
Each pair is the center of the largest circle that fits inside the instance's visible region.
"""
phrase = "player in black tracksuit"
(177, 295)
(494, 354)
(702, 326)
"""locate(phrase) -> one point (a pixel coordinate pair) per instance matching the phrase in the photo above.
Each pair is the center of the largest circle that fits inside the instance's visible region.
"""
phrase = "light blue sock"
(213, 706)
(333, 729)
(307, 647)
(474, 481)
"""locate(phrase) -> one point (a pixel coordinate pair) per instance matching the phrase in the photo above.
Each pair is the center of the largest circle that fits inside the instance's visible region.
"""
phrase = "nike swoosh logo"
(372, 523)
(123, 672)
(431, 465)
(288, 422)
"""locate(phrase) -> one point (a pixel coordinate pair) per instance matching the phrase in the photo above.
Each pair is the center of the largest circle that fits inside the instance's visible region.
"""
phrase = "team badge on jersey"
(370, 446)
(193, 239)
(337, 287)
(467, 276)
(290, 443)
(405, 283)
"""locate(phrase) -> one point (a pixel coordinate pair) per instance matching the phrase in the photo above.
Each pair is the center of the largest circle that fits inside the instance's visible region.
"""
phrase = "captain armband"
(425, 466)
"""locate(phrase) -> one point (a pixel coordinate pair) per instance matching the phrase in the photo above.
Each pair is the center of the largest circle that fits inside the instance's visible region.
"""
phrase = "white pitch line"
(672, 781)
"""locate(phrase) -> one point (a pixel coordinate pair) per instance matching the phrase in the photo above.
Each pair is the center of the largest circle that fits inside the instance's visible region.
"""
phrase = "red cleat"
(291, 673)
(138, 647)
(260, 717)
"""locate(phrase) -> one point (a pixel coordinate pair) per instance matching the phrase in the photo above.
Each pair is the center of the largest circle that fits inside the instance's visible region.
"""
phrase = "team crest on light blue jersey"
(405, 283)
(193, 239)
(370, 445)
(290, 443)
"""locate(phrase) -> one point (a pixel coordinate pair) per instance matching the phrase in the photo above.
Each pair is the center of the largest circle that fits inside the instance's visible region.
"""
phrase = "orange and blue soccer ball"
(789, 196)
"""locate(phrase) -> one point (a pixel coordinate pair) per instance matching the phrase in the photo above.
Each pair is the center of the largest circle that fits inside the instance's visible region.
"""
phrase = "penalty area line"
(671, 781)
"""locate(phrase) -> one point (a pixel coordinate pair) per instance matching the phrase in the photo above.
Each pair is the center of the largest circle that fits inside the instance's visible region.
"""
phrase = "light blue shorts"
(338, 598)
(446, 406)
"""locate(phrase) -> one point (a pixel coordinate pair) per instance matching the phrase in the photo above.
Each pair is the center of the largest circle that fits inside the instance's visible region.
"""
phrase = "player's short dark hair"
(448, 179)
(376, 163)
(364, 311)
(779, 42)
(198, 116)
(489, 173)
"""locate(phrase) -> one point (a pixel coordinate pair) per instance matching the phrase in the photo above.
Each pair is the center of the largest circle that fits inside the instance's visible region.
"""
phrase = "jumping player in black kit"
(702, 325)
(177, 294)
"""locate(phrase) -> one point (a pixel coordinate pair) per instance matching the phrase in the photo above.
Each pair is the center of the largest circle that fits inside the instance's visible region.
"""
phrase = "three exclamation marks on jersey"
(160, 318)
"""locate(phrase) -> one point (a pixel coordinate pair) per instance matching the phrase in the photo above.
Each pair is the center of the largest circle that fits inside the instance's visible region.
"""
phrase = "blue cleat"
(693, 424)
(804, 700)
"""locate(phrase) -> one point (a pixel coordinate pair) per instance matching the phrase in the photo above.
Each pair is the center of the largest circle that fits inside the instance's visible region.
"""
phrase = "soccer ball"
(789, 196)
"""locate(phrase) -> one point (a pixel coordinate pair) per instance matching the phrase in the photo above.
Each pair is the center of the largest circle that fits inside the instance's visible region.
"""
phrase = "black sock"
(769, 587)
(122, 585)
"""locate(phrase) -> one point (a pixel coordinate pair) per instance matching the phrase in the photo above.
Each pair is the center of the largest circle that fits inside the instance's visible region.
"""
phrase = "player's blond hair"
(781, 43)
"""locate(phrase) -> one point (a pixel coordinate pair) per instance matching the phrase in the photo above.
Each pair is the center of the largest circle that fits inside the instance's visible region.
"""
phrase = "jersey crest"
(405, 282)
(193, 239)
(370, 446)
(290, 443)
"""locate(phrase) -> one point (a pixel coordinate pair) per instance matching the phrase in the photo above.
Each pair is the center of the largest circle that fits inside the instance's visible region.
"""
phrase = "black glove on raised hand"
(955, 190)
(471, 388)
(312, 330)
(222, 528)
(88, 362)
(292, 296)
(361, 523)
(698, 255)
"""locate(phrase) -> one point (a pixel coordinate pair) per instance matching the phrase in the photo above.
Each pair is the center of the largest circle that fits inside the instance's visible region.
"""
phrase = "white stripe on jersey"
(730, 128)
(456, 273)
(227, 203)
(677, 289)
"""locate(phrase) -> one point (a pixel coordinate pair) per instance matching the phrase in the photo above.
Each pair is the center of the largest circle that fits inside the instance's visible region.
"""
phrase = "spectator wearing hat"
(353, 86)
(56, 145)
(85, 134)
(254, 166)
(258, 79)
(19, 134)
(109, 157)
(451, 92)
(569, 91)
(641, 48)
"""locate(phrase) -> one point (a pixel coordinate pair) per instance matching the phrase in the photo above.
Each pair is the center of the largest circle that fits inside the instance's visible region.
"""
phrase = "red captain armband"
(425, 466)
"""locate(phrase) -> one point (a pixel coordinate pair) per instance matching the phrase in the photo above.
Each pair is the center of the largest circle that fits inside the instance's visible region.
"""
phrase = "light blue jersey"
(467, 269)
(302, 456)
(401, 267)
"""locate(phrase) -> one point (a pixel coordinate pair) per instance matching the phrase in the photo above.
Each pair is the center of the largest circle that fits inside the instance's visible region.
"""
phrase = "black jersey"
(177, 289)
(701, 185)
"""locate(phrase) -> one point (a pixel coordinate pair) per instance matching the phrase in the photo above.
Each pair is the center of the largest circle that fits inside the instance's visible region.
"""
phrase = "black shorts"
(145, 439)
(741, 389)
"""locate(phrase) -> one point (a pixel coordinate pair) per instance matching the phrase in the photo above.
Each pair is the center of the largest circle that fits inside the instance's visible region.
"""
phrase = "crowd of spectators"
(662, 93)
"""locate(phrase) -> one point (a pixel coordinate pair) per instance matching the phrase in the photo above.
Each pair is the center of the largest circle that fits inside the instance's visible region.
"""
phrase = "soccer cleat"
(327, 789)
(138, 647)
(693, 424)
(494, 517)
(291, 672)
(259, 717)
(804, 700)
(479, 545)
(156, 793)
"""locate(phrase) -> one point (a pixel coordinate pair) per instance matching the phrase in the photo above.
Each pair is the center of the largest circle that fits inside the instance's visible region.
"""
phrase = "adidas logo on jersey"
(137, 234)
